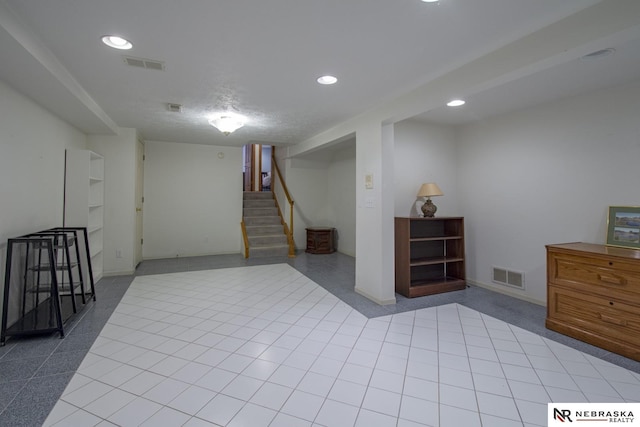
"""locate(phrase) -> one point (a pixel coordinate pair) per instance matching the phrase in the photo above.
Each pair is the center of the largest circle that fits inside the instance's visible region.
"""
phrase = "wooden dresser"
(593, 294)
(321, 240)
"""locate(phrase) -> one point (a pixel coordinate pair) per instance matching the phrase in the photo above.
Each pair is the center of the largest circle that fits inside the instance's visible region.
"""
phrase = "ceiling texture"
(262, 58)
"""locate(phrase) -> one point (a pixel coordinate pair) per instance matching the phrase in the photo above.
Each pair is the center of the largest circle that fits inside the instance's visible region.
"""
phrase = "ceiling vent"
(149, 64)
(599, 53)
(174, 108)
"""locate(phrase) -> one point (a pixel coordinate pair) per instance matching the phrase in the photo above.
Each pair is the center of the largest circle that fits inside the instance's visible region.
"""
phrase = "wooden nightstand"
(321, 240)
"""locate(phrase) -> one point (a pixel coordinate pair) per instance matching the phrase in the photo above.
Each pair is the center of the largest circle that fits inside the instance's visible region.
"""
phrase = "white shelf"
(96, 253)
(84, 198)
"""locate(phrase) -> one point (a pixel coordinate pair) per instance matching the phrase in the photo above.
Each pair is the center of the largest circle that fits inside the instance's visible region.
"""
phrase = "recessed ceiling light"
(456, 103)
(327, 80)
(430, 1)
(117, 42)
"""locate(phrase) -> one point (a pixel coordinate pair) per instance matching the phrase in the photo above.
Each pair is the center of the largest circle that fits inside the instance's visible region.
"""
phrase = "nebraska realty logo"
(595, 413)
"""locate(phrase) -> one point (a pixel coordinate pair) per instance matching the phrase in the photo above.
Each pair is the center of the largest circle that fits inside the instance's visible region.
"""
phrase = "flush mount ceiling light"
(227, 122)
(456, 103)
(117, 42)
(327, 80)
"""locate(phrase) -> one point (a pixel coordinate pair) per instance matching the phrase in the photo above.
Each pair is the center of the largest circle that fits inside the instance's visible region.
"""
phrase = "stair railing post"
(245, 239)
(291, 217)
(289, 230)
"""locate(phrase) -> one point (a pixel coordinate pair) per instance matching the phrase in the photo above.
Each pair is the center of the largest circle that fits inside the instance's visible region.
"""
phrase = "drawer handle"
(614, 280)
(609, 319)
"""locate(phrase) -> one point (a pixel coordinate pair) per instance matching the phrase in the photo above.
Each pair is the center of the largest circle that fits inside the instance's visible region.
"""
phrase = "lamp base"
(429, 209)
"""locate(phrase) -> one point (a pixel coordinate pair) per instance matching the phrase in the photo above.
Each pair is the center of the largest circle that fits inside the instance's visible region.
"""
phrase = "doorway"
(265, 169)
(256, 167)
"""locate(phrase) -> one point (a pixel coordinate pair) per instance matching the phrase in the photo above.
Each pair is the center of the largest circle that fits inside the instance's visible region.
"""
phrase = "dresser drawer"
(323, 239)
(592, 275)
(601, 316)
(616, 263)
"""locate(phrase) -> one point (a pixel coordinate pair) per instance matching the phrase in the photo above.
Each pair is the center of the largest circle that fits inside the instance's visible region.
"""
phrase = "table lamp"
(429, 190)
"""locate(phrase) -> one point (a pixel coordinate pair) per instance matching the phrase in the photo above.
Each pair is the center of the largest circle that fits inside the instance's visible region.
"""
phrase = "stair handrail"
(288, 228)
(245, 238)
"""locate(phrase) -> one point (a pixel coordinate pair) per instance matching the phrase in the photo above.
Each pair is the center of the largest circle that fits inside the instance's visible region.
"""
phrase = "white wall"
(193, 200)
(546, 175)
(266, 158)
(425, 153)
(307, 183)
(341, 198)
(119, 154)
(32, 146)
(323, 186)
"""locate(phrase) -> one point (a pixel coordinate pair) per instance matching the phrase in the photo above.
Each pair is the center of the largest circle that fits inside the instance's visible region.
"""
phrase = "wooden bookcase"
(429, 255)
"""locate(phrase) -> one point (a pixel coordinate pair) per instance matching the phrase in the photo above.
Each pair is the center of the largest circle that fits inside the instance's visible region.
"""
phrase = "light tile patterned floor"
(266, 346)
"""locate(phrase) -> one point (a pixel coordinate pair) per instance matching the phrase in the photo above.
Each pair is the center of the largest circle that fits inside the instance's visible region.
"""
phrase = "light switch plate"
(368, 181)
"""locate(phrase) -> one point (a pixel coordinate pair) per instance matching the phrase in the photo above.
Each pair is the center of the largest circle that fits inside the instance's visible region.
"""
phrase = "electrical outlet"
(118, 253)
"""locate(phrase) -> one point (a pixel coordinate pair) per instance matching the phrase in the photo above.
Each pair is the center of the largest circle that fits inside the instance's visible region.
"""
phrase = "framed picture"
(623, 226)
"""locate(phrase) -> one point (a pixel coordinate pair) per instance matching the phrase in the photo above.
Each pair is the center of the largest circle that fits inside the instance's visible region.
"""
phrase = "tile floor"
(34, 372)
(267, 346)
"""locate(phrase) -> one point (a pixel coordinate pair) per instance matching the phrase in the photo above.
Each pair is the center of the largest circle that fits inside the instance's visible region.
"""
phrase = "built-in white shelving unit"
(84, 200)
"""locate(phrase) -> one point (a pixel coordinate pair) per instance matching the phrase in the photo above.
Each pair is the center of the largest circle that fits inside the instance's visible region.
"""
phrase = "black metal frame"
(17, 329)
(50, 241)
(88, 253)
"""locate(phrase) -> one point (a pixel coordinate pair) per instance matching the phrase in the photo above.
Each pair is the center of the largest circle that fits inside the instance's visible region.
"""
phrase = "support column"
(374, 213)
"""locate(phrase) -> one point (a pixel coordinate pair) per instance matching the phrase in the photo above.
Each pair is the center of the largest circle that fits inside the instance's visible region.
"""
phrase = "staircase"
(265, 231)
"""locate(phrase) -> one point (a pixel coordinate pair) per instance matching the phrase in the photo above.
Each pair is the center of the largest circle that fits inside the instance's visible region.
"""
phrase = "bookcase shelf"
(429, 255)
(434, 260)
(84, 200)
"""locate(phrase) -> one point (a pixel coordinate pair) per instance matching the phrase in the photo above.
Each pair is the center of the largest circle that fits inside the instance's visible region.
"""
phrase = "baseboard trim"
(156, 257)
(374, 299)
(118, 273)
(505, 292)
(346, 253)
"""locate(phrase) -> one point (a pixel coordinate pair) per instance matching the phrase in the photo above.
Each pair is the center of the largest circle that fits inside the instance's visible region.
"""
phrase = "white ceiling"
(576, 76)
(262, 58)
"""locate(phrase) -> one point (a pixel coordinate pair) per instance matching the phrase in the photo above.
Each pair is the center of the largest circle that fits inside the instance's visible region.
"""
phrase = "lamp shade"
(430, 189)
(227, 122)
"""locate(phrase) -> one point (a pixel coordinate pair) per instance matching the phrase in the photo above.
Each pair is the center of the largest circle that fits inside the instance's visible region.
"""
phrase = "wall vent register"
(508, 277)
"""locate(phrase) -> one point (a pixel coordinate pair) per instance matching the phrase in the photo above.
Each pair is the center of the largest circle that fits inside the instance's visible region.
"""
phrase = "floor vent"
(508, 277)
(149, 64)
